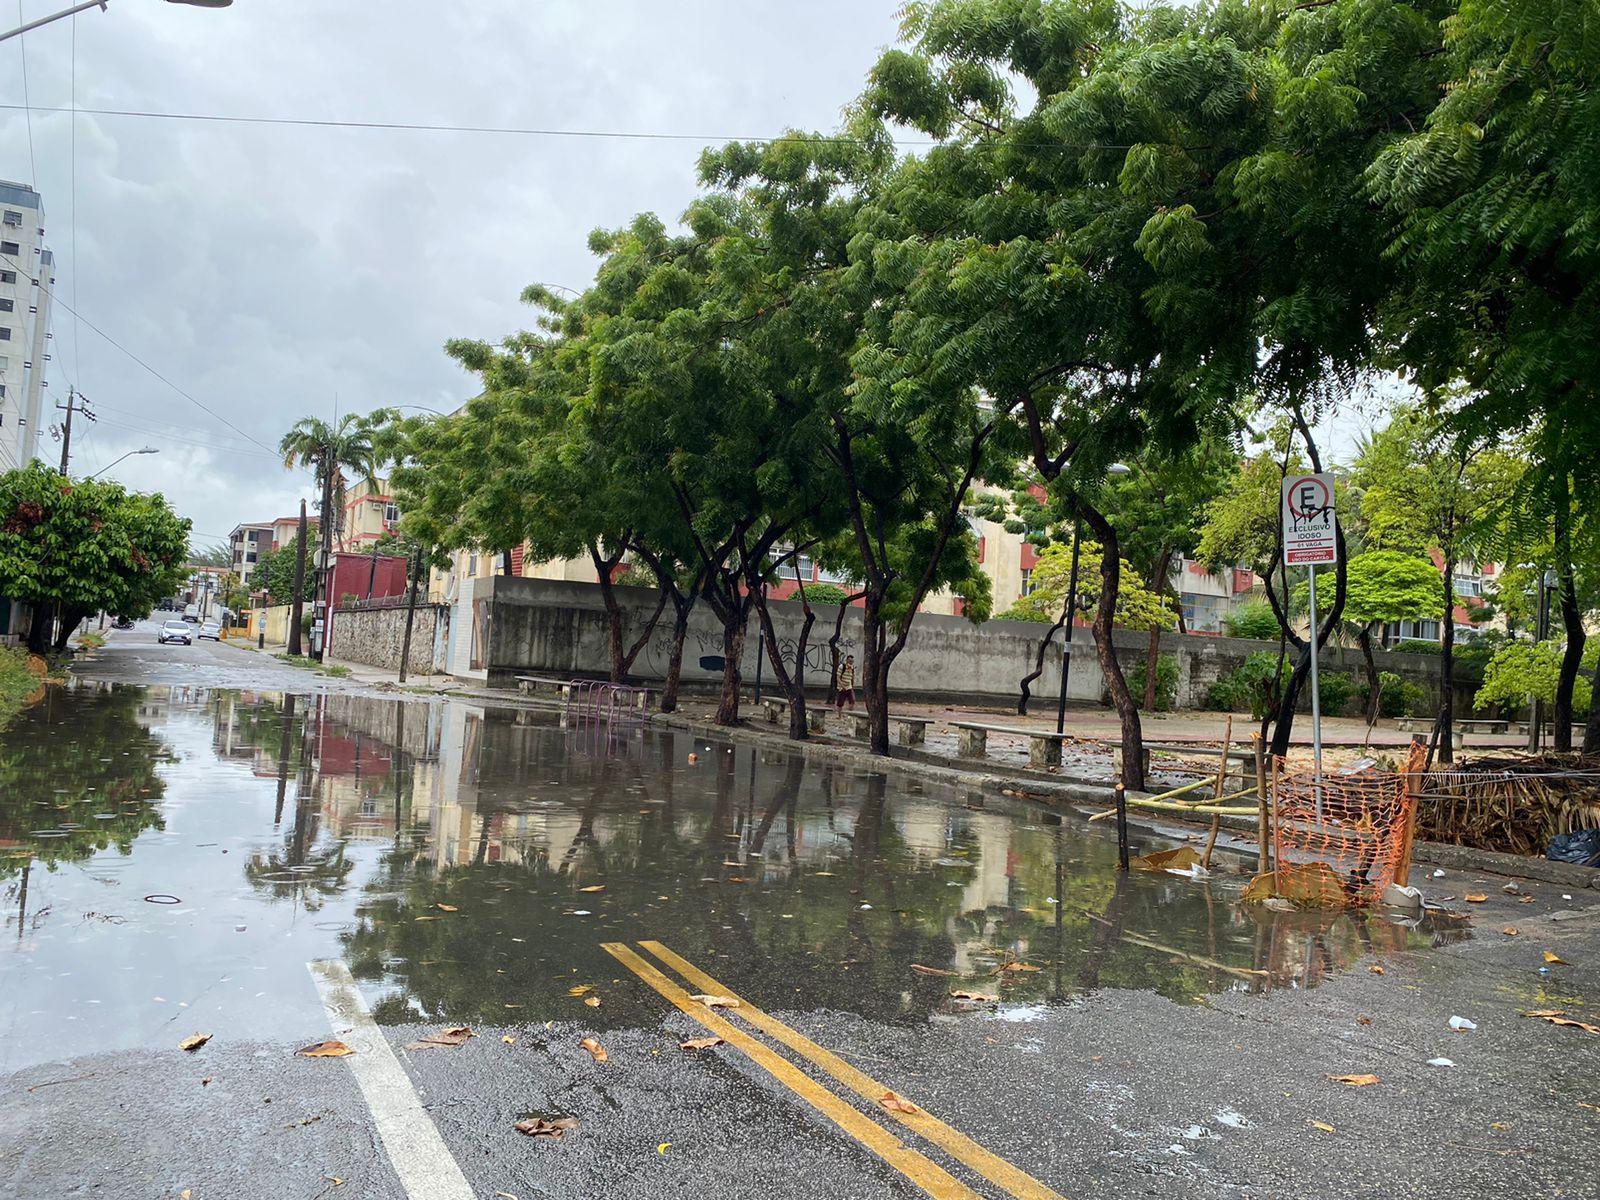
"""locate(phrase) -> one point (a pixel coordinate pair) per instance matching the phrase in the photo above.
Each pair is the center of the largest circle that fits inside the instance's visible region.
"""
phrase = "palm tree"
(352, 443)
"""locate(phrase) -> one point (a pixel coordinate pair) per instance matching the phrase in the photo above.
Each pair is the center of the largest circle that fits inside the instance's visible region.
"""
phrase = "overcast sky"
(271, 272)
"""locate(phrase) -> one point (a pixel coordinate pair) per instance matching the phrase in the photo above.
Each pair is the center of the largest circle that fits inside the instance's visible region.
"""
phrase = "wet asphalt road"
(441, 852)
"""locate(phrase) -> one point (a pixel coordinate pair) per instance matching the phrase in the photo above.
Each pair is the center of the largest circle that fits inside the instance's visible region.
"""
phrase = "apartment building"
(248, 543)
(26, 276)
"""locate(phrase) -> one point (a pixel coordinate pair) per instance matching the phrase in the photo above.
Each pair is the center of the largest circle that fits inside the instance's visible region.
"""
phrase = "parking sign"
(1308, 510)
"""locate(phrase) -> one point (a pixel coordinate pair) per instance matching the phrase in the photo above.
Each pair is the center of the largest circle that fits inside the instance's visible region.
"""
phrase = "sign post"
(1309, 541)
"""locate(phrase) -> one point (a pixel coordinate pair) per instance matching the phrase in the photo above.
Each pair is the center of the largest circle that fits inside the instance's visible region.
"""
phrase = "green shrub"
(825, 595)
(1418, 646)
(1250, 687)
(1022, 612)
(1334, 689)
(1396, 697)
(1253, 619)
(1166, 682)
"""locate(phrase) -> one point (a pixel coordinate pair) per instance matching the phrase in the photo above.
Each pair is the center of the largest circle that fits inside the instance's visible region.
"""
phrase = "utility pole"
(298, 603)
(321, 605)
(411, 615)
(76, 402)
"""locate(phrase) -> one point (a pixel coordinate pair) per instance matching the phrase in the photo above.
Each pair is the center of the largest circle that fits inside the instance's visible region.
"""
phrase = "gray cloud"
(267, 270)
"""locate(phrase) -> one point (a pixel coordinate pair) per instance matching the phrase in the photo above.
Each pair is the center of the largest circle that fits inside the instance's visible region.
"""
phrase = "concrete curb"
(1056, 792)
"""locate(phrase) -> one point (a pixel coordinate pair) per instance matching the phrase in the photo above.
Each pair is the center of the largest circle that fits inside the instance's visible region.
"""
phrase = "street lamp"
(129, 454)
(101, 5)
(1072, 608)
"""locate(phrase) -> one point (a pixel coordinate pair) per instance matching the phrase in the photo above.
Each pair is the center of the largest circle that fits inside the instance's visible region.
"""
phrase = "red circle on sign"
(1294, 491)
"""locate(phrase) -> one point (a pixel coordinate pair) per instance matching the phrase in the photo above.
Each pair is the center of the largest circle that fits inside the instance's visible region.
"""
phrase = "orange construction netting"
(1345, 837)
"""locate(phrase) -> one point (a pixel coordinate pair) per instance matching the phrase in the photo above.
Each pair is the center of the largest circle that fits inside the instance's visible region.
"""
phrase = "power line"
(157, 433)
(77, 335)
(22, 50)
(538, 131)
(203, 408)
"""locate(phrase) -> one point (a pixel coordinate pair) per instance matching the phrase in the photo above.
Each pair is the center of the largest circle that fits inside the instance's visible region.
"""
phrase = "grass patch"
(91, 641)
(311, 664)
(17, 683)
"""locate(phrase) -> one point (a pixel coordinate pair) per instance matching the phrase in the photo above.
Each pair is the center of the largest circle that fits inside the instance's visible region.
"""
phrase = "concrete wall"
(543, 627)
(276, 621)
(373, 632)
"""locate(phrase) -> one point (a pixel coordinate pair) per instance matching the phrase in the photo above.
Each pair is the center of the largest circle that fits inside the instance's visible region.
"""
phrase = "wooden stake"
(1222, 775)
(1262, 833)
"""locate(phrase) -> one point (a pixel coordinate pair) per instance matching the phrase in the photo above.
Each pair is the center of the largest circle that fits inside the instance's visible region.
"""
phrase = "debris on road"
(594, 1048)
(539, 1127)
(328, 1049)
(194, 1042)
(454, 1035)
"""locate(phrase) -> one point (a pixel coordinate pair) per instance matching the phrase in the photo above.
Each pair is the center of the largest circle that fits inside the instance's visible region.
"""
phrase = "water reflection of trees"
(784, 879)
(78, 776)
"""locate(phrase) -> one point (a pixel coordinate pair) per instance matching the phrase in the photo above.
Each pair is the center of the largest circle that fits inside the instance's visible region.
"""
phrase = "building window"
(391, 513)
(472, 565)
(1468, 585)
(8, 305)
(5, 333)
(1419, 631)
(2, 391)
(1027, 581)
(10, 248)
(8, 276)
(803, 567)
(4, 362)
(250, 556)
(1201, 613)
(13, 218)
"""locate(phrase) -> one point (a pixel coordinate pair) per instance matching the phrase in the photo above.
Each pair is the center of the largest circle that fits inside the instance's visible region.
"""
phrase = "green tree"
(87, 546)
(274, 573)
(1519, 670)
(217, 554)
(1385, 586)
(1425, 489)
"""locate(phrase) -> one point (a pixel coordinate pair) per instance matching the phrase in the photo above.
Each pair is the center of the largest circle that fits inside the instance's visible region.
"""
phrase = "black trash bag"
(1581, 847)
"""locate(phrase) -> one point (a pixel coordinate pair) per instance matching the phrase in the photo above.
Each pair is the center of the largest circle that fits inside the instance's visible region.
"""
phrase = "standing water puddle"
(171, 859)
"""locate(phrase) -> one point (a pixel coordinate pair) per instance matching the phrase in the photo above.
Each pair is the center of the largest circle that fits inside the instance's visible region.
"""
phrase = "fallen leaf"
(1545, 1013)
(1554, 959)
(922, 970)
(455, 1035)
(1526, 900)
(447, 908)
(597, 887)
(895, 1102)
(1510, 931)
(1363, 1020)
(539, 1127)
(594, 1048)
(334, 1180)
(1322, 1125)
(662, 1148)
(1476, 897)
(1355, 1081)
(715, 1001)
(434, 917)
(703, 1043)
(580, 989)
(194, 1043)
(1583, 1025)
(592, 1001)
(206, 1082)
(975, 997)
(328, 1049)
(185, 1194)
(1375, 970)
(1020, 966)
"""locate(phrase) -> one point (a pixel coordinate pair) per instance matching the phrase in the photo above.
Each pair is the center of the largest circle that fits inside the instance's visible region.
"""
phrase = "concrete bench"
(909, 731)
(1044, 746)
(1406, 724)
(776, 706)
(528, 684)
(1485, 726)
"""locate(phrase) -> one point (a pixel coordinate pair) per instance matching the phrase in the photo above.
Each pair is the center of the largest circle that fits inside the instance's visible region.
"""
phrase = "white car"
(210, 630)
(176, 631)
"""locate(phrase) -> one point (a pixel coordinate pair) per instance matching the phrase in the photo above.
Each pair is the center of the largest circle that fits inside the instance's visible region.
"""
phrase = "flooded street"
(173, 859)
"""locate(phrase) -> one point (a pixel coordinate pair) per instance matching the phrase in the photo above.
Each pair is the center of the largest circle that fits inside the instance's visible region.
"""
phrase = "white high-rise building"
(26, 282)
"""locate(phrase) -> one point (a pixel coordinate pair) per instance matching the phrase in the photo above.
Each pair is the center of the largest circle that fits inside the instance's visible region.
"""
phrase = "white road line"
(417, 1152)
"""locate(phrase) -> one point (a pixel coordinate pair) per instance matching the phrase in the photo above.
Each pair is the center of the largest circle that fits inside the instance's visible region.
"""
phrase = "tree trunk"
(1152, 655)
(833, 644)
(40, 627)
(793, 685)
(70, 619)
(1025, 688)
(1571, 622)
(734, 626)
(1374, 687)
(680, 631)
(1591, 731)
(1105, 649)
(874, 671)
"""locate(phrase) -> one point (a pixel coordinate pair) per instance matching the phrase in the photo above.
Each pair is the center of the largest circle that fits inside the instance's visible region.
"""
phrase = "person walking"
(845, 688)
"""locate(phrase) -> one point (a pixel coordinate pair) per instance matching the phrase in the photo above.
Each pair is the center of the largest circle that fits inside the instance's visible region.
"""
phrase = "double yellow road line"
(918, 1168)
